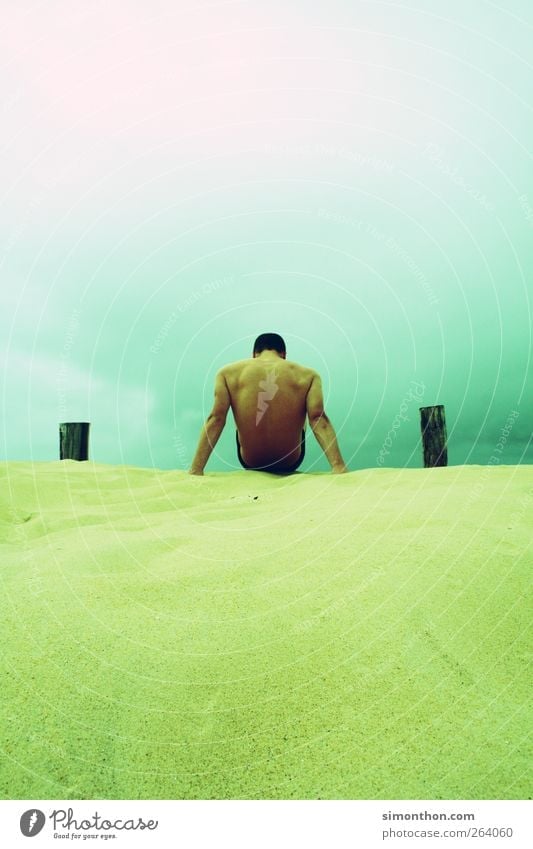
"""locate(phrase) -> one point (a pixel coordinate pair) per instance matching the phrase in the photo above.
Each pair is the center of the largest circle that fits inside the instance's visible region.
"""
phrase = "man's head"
(269, 342)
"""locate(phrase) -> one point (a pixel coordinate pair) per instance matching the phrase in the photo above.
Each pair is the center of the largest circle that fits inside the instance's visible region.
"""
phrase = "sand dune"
(242, 635)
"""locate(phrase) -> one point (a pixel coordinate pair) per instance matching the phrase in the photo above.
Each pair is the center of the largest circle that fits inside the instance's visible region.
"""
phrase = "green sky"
(356, 176)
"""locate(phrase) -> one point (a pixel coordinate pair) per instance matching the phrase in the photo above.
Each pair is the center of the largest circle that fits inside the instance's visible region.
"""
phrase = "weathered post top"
(434, 438)
(74, 440)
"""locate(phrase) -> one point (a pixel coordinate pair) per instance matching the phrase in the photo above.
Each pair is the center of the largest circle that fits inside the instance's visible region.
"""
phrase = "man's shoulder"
(306, 371)
(304, 375)
(231, 369)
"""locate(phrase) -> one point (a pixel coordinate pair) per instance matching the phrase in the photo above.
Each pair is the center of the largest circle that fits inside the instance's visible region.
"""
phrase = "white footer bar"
(267, 824)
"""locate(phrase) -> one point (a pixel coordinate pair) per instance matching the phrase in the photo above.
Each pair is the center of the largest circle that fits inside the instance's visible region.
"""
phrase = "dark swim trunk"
(286, 471)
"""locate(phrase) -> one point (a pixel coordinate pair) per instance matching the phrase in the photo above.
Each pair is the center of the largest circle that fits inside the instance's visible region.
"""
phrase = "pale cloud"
(39, 391)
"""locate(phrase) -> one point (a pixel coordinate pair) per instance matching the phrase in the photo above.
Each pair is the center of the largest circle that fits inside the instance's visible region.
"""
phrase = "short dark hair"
(270, 342)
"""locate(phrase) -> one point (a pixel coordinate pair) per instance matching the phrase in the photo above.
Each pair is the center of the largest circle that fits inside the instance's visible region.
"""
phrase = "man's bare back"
(270, 398)
(268, 402)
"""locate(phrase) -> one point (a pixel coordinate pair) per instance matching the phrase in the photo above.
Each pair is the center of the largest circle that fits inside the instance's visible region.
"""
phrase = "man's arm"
(213, 426)
(322, 427)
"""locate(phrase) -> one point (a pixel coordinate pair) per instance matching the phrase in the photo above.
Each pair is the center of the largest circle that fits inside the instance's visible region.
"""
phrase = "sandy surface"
(243, 635)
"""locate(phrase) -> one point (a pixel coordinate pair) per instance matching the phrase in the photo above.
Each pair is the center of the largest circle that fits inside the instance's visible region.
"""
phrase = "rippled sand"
(243, 635)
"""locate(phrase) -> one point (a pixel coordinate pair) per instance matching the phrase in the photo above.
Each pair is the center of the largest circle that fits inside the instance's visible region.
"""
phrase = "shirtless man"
(270, 397)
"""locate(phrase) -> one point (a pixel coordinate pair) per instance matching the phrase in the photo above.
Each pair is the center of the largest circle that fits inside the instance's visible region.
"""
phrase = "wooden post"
(434, 439)
(74, 441)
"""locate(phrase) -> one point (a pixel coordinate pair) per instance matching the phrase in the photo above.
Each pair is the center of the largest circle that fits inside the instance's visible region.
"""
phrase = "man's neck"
(268, 357)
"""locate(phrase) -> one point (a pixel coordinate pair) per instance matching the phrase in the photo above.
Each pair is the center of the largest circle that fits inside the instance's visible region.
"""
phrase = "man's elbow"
(216, 417)
(318, 420)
